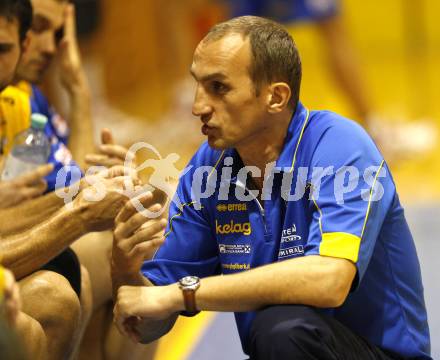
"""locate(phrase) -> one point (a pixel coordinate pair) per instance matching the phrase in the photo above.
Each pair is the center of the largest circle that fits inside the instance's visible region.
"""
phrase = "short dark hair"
(20, 10)
(274, 53)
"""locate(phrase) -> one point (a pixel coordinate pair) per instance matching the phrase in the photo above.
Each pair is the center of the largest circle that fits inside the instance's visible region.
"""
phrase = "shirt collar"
(295, 132)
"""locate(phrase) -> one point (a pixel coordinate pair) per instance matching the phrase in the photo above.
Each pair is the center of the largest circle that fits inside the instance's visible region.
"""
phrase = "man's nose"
(201, 105)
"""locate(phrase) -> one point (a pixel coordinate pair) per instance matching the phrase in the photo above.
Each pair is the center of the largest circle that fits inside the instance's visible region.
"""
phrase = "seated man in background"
(53, 33)
(55, 288)
(56, 296)
(15, 19)
(12, 35)
(287, 217)
(52, 26)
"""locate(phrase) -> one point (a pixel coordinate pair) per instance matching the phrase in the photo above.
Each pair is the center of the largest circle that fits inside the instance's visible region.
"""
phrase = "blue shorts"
(286, 10)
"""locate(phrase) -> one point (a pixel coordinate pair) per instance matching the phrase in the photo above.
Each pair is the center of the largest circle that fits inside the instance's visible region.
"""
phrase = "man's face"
(46, 31)
(9, 50)
(225, 100)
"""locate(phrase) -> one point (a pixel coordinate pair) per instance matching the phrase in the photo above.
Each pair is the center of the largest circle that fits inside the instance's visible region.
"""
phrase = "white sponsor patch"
(288, 235)
(234, 248)
(290, 251)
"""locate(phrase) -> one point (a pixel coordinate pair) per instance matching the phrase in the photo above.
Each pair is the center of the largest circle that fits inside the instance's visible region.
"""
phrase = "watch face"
(189, 281)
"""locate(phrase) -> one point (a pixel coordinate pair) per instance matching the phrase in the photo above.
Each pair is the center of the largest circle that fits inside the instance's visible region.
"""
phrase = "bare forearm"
(81, 127)
(311, 280)
(22, 217)
(26, 252)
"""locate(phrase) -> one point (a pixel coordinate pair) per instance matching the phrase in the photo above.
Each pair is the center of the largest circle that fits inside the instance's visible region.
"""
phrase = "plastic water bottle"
(30, 149)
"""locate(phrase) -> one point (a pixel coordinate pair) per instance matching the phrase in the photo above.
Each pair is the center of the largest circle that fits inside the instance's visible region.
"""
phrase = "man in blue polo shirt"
(296, 209)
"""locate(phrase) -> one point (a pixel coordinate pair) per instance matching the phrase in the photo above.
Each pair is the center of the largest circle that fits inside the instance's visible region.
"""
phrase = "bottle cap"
(38, 121)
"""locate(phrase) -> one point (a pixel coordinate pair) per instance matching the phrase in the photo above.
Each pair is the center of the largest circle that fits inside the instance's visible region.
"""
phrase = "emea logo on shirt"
(290, 251)
(234, 248)
(231, 207)
(233, 228)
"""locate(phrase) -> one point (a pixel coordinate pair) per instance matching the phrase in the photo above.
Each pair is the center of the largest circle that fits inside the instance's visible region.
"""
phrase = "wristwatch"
(189, 285)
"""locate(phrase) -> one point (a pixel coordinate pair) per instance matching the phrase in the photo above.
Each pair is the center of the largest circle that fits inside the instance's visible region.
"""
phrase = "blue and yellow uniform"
(349, 209)
(16, 105)
(286, 10)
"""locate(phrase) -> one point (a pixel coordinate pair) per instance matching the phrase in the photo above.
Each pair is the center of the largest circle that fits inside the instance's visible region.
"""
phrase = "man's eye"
(219, 88)
(39, 24)
(5, 48)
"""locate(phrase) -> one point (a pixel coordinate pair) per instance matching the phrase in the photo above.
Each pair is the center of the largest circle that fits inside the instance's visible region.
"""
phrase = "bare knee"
(49, 298)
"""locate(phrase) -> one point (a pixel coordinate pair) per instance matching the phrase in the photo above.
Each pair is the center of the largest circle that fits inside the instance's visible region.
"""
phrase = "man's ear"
(278, 97)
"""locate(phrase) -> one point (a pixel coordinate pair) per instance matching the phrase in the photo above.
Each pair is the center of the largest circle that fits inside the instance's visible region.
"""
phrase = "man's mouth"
(206, 129)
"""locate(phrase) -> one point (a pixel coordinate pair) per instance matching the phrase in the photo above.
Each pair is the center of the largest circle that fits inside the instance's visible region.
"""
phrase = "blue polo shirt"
(330, 194)
(57, 131)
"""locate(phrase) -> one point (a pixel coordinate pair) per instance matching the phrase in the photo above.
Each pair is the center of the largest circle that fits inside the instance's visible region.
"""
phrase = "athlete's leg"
(48, 298)
(117, 346)
(303, 333)
(94, 252)
(86, 302)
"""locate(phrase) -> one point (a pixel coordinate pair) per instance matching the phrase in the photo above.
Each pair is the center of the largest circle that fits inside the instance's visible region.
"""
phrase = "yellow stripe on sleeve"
(340, 245)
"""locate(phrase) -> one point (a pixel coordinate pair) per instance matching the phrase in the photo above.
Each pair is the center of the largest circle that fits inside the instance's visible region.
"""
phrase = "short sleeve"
(190, 245)
(350, 194)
